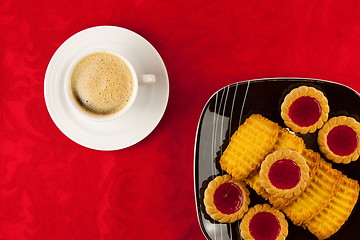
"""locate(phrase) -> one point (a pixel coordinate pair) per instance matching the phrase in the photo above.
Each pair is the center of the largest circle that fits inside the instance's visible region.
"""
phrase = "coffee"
(102, 83)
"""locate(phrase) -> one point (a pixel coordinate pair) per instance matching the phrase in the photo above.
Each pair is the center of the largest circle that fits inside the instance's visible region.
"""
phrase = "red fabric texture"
(53, 188)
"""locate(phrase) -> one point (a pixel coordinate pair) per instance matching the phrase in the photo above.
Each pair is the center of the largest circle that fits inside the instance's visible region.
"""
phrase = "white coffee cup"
(97, 81)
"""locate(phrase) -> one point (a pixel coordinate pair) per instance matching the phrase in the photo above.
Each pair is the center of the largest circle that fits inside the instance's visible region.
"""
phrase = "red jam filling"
(305, 111)
(264, 226)
(342, 140)
(228, 198)
(284, 174)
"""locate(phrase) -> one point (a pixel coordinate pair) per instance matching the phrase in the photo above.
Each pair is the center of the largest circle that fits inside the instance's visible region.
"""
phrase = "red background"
(52, 188)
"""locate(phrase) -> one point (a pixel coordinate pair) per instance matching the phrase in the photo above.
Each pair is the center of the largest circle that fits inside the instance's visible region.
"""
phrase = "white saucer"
(145, 113)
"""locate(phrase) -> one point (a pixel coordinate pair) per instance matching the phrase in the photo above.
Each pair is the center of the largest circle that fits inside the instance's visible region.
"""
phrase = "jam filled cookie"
(284, 173)
(263, 222)
(339, 139)
(305, 109)
(226, 199)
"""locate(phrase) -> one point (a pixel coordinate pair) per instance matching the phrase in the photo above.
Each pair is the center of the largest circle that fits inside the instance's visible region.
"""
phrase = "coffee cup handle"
(147, 79)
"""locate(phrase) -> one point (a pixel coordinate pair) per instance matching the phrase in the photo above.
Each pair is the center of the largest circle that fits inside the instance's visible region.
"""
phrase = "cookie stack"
(320, 202)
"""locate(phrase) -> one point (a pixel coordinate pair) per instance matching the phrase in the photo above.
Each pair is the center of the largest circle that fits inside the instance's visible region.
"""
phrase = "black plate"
(228, 108)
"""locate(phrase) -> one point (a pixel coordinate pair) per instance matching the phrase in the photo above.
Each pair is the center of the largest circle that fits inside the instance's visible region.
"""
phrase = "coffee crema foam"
(102, 83)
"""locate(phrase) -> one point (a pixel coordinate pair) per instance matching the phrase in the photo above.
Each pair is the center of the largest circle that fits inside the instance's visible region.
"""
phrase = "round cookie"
(264, 222)
(284, 173)
(339, 139)
(226, 199)
(305, 109)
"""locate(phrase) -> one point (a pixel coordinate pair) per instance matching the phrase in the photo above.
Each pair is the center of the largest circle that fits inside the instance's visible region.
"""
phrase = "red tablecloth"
(53, 188)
